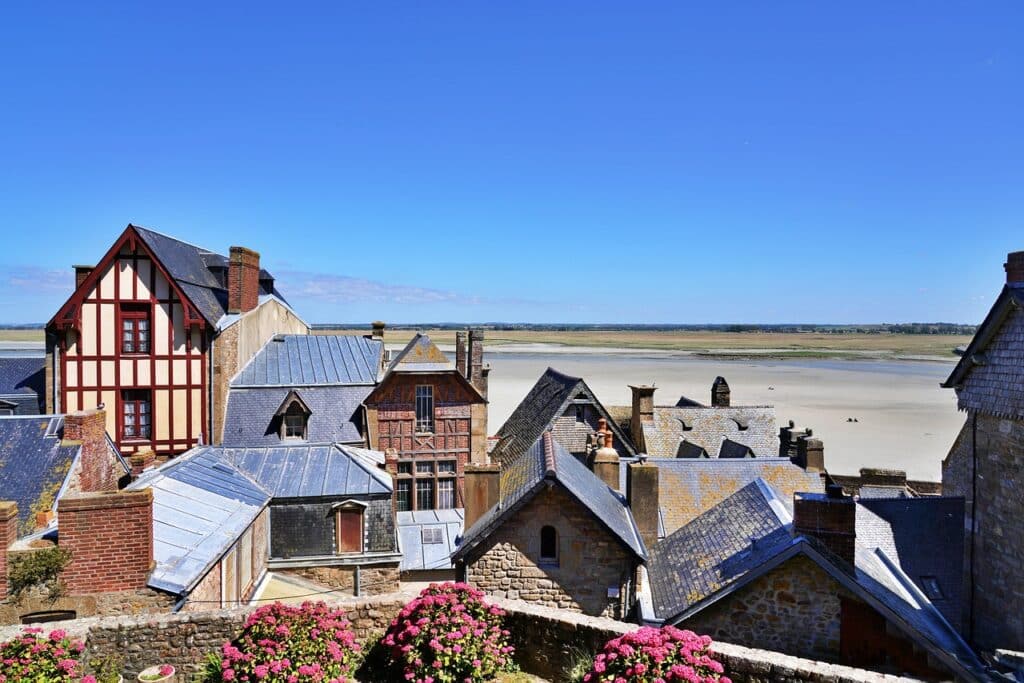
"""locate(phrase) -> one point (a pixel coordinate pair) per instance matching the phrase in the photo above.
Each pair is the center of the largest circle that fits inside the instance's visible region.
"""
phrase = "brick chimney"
(142, 461)
(477, 376)
(89, 428)
(720, 393)
(643, 411)
(810, 453)
(82, 272)
(642, 493)
(482, 490)
(243, 280)
(110, 537)
(606, 460)
(8, 535)
(461, 360)
(1014, 267)
(829, 517)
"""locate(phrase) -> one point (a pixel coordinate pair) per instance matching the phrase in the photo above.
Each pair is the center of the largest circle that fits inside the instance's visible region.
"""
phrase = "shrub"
(449, 633)
(286, 644)
(35, 658)
(657, 654)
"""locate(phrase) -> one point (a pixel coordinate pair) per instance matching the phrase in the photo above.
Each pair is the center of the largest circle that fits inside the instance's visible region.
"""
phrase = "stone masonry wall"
(591, 559)
(372, 580)
(546, 640)
(794, 609)
(995, 585)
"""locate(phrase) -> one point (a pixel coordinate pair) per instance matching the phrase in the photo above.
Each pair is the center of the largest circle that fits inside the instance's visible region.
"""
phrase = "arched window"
(548, 545)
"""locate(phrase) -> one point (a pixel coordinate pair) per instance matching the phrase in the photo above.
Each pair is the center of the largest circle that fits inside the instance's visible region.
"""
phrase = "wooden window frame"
(425, 423)
(294, 410)
(349, 508)
(135, 313)
(420, 470)
(136, 399)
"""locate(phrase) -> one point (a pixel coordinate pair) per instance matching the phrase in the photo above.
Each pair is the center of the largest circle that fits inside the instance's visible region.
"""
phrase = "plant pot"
(153, 675)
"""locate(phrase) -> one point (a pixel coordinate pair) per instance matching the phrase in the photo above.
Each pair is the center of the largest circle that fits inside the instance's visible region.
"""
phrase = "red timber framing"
(129, 283)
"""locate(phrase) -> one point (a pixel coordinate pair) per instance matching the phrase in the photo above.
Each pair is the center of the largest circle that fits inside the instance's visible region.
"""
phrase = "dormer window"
(294, 415)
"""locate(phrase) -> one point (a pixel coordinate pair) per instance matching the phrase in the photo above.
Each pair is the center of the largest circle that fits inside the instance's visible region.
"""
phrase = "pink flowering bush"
(447, 634)
(285, 644)
(34, 657)
(657, 655)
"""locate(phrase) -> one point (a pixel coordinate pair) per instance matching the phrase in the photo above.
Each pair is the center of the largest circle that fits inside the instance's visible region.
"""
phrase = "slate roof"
(417, 555)
(752, 426)
(250, 416)
(23, 383)
(688, 487)
(298, 360)
(201, 506)
(304, 471)
(990, 375)
(750, 532)
(543, 404)
(34, 463)
(548, 462)
(421, 355)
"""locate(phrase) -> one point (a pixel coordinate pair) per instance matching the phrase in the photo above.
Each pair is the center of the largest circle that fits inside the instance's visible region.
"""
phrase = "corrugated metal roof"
(444, 528)
(308, 471)
(201, 505)
(296, 360)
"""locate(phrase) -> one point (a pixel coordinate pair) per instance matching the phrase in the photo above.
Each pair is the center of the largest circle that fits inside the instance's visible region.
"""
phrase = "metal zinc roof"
(418, 555)
(201, 505)
(307, 360)
(309, 471)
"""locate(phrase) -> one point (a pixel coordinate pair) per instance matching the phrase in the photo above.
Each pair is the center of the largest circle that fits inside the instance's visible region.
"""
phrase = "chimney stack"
(377, 330)
(89, 429)
(482, 490)
(1014, 268)
(142, 461)
(477, 376)
(829, 517)
(810, 453)
(643, 411)
(642, 494)
(243, 280)
(460, 353)
(81, 272)
(788, 437)
(720, 393)
(606, 460)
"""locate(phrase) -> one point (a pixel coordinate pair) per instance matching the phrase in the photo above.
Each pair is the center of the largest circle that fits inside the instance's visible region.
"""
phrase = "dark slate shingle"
(23, 383)
(33, 466)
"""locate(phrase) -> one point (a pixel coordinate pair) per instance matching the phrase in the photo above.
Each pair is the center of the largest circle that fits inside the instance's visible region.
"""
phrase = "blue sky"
(529, 161)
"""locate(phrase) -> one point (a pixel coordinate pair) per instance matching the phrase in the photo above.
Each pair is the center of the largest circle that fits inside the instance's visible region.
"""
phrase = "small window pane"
(405, 468)
(446, 467)
(403, 495)
(424, 468)
(445, 494)
(424, 494)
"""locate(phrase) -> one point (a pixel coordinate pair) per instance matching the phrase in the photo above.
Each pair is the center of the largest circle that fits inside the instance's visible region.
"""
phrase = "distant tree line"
(882, 328)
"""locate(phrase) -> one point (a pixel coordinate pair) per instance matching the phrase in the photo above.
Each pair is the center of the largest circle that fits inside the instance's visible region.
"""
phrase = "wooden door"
(350, 530)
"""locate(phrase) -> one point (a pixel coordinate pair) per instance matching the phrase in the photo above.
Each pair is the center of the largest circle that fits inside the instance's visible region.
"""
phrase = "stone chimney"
(243, 280)
(482, 490)
(810, 453)
(642, 494)
(788, 437)
(142, 461)
(110, 537)
(377, 330)
(460, 353)
(477, 376)
(720, 393)
(829, 517)
(81, 272)
(643, 411)
(89, 429)
(8, 535)
(1014, 267)
(606, 459)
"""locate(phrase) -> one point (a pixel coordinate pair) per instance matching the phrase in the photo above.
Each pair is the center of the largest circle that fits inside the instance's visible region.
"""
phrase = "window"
(581, 413)
(432, 535)
(405, 468)
(134, 328)
(349, 524)
(136, 414)
(548, 545)
(424, 494)
(425, 467)
(403, 495)
(446, 467)
(294, 426)
(445, 494)
(424, 408)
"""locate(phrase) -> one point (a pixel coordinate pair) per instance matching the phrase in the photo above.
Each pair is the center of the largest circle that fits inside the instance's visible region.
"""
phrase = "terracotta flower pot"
(161, 673)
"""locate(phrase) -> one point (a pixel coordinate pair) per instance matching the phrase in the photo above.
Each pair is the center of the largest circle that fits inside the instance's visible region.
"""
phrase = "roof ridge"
(549, 454)
(553, 371)
(176, 239)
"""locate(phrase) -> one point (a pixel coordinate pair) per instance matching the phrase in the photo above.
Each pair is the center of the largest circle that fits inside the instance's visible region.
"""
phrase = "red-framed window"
(136, 414)
(135, 328)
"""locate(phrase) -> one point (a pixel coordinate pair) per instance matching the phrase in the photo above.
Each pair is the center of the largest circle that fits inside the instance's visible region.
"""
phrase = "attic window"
(742, 425)
(432, 536)
(293, 425)
(930, 584)
(581, 413)
(687, 426)
(54, 427)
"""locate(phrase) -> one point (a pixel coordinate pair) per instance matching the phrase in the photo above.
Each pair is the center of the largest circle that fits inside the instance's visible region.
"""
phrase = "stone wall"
(994, 586)
(374, 580)
(794, 608)
(591, 560)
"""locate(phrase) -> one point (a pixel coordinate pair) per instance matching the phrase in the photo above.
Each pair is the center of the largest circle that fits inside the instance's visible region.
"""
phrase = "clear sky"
(527, 161)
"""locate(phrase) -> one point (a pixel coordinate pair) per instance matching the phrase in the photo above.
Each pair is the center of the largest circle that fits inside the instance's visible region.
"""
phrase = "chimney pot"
(1014, 267)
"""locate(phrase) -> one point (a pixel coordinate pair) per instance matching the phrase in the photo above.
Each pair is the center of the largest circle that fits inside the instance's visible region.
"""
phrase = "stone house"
(154, 331)
(566, 407)
(430, 416)
(22, 385)
(546, 529)
(822, 577)
(984, 465)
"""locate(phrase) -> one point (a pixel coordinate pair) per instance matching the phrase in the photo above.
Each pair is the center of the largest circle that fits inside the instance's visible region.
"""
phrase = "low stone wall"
(373, 580)
(546, 639)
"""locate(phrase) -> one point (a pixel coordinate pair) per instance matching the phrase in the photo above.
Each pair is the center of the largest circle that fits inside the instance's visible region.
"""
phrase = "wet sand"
(905, 420)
